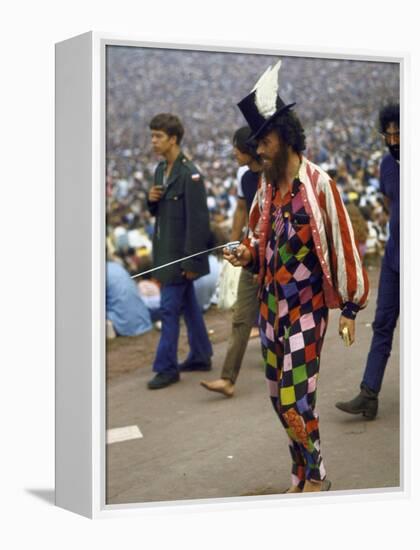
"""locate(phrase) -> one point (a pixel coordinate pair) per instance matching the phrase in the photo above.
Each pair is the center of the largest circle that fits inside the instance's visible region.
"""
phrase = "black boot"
(365, 403)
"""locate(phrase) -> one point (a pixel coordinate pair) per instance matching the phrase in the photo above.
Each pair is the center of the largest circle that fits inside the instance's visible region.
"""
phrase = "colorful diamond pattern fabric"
(293, 320)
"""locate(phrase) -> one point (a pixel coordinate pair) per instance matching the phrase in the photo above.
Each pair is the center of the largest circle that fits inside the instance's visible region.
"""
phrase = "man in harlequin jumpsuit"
(301, 243)
(388, 302)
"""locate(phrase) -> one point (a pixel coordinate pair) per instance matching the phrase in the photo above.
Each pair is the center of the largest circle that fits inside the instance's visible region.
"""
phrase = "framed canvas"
(121, 447)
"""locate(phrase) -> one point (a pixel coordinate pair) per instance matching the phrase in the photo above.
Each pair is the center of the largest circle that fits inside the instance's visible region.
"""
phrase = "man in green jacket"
(178, 201)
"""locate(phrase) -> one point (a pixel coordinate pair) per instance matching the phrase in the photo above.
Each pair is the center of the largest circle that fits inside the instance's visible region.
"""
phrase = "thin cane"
(232, 247)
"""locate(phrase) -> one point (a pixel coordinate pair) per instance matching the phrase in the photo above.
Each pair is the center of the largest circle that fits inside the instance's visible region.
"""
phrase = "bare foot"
(255, 332)
(221, 386)
(311, 486)
(316, 486)
(293, 489)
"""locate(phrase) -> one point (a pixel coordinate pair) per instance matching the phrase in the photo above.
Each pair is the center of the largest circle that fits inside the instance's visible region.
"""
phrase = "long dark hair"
(290, 129)
(389, 113)
(242, 142)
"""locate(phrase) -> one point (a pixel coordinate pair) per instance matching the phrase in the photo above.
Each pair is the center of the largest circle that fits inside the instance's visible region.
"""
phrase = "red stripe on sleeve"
(350, 263)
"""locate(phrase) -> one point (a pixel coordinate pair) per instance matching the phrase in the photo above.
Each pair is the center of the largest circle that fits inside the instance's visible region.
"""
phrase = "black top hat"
(263, 104)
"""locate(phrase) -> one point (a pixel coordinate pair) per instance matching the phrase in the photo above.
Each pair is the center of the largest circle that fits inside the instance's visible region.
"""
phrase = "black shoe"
(190, 366)
(365, 403)
(162, 379)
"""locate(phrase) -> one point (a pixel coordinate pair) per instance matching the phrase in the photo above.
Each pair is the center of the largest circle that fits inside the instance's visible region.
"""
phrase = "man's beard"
(275, 172)
(395, 151)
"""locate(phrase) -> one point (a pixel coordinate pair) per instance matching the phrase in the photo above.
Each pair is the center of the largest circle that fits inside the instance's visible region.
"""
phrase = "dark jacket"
(182, 221)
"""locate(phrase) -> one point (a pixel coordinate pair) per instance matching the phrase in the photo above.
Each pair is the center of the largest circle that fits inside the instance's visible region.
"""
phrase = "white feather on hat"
(266, 91)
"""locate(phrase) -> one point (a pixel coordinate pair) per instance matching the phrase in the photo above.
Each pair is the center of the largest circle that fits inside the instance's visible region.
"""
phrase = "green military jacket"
(182, 224)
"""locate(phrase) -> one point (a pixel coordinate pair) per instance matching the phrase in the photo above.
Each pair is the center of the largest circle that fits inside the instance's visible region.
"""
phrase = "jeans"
(386, 316)
(177, 300)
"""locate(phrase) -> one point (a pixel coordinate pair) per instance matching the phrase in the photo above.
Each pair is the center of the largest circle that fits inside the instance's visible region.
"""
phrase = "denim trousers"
(180, 300)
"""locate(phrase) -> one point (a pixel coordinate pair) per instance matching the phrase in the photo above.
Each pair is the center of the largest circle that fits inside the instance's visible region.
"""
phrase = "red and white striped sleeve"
(350, 277)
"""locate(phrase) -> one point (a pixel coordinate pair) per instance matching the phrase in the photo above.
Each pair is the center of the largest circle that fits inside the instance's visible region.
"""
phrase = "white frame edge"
(73, 219)
(80, 300)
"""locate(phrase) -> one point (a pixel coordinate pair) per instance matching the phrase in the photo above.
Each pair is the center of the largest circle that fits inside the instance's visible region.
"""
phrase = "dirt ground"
(204, 446)
(125, 354)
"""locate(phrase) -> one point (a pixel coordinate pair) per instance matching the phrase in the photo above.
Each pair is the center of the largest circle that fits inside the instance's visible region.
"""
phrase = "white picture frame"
(80, 277)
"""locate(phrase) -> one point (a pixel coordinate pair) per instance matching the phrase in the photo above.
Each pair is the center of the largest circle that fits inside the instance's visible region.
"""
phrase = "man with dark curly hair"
(388, 301)
(245, 310)
(300, 242)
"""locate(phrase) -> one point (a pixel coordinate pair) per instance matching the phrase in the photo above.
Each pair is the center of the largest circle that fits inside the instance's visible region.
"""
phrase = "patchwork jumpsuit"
(293, 320)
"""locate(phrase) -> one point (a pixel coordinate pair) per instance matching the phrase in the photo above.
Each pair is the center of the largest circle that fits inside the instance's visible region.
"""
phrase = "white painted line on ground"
(116, 435)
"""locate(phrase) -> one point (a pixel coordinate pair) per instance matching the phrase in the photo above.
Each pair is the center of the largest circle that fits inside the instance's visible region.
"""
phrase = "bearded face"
(275, 157)
(275, 168)
(392, 139)
(395, 151)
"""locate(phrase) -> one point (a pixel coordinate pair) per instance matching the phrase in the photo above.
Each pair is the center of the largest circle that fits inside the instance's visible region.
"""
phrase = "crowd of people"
(337, 99)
